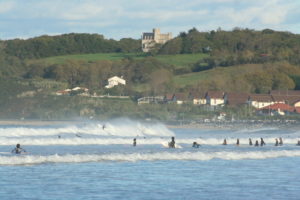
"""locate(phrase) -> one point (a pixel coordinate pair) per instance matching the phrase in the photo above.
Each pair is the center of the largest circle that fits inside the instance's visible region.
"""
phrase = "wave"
(140, 141)
(134, 157)
(121, 127)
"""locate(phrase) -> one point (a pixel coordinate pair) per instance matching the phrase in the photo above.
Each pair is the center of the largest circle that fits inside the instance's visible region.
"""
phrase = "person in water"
(262, 142)
(196, 145)
(250, 142)
(237, 142)
(280, 141)
(298, 144)
(18, 149)
(134, 142)
(256, 143)
(172, 143)
(276, 142)
(224, 142)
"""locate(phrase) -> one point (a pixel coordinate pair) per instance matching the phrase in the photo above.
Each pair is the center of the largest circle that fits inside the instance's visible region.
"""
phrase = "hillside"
(244, 60)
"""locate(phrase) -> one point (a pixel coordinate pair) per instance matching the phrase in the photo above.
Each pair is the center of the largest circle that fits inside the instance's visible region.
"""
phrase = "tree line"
(73, 43)
(238, 46)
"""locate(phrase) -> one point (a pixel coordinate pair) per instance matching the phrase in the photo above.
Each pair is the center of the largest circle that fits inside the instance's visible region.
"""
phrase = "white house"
(261, 100)
(115, 80)
(215, 98)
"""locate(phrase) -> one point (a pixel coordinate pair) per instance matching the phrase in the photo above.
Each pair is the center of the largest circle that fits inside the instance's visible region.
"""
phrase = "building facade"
(150, 39)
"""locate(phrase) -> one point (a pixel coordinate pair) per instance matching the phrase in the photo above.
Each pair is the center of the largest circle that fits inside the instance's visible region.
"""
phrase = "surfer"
(237, 142)
(280, 141)
(196, 145)
(262, 142)
(224, 142)
(276, 142)
(256, 143)
(298, 144)
(250, 142)
(103, 126)
(172, 143)
(134, 142)
(18, 149)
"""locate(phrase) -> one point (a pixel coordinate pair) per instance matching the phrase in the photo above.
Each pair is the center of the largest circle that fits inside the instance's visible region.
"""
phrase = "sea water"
(97, 161)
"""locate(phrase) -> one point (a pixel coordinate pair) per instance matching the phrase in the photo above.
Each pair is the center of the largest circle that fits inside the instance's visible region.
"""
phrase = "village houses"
(271, 103)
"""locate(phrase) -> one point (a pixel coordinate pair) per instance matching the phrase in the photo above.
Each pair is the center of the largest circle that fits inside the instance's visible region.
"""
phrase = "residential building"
(215, 98)
(198, 98)
(235, 99)
(260, 100)
(114, 81)
(277, 109)
(181, 98)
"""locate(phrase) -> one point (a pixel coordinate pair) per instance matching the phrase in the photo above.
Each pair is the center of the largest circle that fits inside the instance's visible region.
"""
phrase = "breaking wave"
(42, 141)
(134, 157)
(121, 127)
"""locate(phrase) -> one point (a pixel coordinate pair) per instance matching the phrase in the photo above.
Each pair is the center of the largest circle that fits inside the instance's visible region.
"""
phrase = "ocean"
(96, 160)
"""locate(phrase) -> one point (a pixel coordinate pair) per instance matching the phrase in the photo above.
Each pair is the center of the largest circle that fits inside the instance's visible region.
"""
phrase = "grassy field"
(179, 60)
(224, 73)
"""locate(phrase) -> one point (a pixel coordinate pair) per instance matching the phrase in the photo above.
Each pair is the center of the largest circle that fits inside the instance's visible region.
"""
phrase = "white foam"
(121, 127)
(133, 157)
(42, 141)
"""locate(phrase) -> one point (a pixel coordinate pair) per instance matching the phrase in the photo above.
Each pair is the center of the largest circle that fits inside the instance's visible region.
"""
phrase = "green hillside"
(179, 60)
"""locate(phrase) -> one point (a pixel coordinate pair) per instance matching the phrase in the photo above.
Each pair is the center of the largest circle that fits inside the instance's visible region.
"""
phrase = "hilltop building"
(150, 39)
(114, 81)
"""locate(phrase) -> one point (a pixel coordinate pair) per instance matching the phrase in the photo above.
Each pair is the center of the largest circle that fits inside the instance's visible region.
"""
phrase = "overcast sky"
(129, 18)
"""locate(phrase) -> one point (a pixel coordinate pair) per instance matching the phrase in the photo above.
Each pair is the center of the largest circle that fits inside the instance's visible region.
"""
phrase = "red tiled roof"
(234, 98)
(285, 92)
(279, 106)
(261, 97)
(215, 94)
(290, 99)
(169, 97)
(181, 96)
(197, 95)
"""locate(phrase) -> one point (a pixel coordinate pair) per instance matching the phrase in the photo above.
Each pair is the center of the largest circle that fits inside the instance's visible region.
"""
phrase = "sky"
(118, 19)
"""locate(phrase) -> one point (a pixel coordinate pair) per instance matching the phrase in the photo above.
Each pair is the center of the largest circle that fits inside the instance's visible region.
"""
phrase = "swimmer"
(196, 145)
(276, 142)
(256, 143)
(134, 142)
(224, 142)
(280, 141)
(250, 142)
(172, 143)
(18, 149)
(262, 142)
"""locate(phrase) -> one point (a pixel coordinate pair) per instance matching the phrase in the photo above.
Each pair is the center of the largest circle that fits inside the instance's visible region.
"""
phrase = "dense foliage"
(45, 46)
(239, 46)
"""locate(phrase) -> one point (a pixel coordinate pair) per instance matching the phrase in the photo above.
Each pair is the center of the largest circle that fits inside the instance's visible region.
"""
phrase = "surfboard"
(166, 145)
